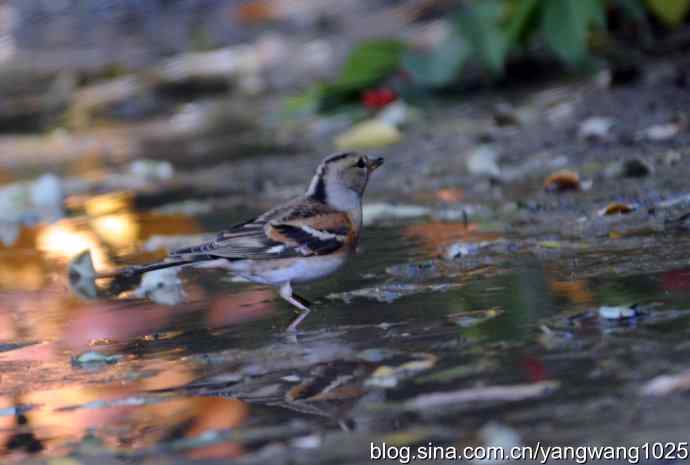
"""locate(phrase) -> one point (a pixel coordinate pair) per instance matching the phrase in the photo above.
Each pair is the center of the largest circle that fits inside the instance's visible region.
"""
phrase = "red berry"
(378, 98)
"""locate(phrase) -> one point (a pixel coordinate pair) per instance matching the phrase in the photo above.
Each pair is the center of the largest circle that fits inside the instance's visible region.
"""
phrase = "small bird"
(299, 241)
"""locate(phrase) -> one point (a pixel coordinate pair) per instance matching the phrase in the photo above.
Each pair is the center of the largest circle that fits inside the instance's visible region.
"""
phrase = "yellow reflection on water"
(64, 240)
(119, 230)
(110, 228)
(36, 305)
(108, 203)
(24, 271)
(35, 299)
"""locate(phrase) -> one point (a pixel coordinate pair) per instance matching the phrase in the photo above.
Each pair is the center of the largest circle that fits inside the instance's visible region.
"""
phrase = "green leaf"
(480, 25)
(439, 67)
(671, 12)
(367, 64)
(597, 13)
(522, 15)
(566, 24)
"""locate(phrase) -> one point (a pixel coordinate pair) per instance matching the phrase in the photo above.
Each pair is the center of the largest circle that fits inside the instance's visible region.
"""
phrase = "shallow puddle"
(216, 376)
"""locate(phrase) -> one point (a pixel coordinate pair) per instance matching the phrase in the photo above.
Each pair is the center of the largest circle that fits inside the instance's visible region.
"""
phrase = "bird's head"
(341, 178)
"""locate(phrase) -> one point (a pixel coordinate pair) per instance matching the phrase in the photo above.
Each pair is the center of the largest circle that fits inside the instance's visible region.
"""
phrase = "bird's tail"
(83, 275)
(136, 270)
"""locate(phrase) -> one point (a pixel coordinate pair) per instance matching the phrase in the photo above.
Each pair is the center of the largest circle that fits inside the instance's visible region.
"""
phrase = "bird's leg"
(287, 294)
(302, 300)
(299, 302)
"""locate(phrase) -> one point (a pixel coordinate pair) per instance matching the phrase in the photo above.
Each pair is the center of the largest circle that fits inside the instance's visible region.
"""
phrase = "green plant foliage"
(522, 18)
(671, 12)
(486, 31)
(368, 63)
(565, 27)
(441, 66)
(479, 32)
(480, 25)
(371, 61)
(489, 29)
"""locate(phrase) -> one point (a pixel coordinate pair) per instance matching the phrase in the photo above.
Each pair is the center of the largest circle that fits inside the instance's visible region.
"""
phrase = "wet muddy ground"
(489, 303)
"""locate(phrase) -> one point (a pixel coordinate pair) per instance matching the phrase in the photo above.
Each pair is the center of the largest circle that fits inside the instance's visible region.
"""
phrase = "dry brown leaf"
(562, 180)
(617, 208)
(575, 291)
(257, 12)
(330, 382)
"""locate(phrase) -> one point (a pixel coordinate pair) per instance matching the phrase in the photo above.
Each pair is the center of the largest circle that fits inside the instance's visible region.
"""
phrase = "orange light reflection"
(436, 236)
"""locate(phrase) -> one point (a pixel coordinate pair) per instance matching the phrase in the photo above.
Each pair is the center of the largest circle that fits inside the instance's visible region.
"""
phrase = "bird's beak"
(374, 163)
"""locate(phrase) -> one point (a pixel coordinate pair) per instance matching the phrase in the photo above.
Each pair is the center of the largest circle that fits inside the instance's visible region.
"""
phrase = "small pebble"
(596, 128)
(616, 313)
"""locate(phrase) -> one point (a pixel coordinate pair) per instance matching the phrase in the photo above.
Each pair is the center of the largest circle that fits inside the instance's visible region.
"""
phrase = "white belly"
(278, 272)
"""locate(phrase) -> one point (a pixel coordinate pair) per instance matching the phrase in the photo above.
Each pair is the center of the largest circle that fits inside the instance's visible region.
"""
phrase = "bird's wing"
(299, 229)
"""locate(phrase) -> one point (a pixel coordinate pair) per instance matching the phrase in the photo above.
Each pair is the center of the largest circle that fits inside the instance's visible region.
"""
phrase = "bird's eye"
(361, 163)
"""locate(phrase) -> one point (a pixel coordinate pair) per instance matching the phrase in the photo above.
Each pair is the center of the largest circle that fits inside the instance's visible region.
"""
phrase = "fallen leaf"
(257, 11)
(562, 180)
(575, 291)
(369, 134)
(332, 381)
(617, 208)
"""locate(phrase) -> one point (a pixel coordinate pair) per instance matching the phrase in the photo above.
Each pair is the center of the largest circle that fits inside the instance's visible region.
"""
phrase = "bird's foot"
(300, 302)
(297, 320)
